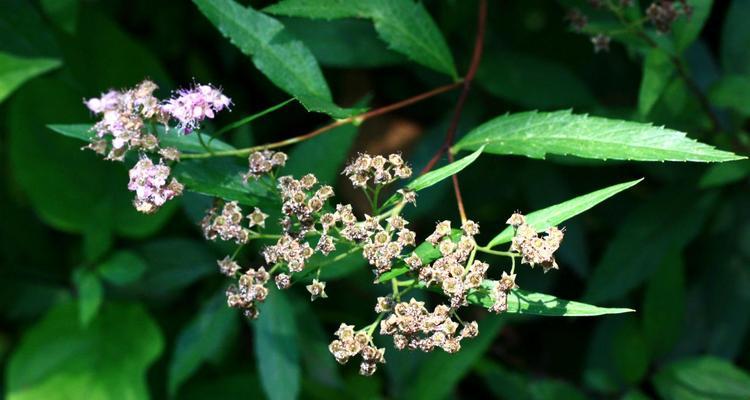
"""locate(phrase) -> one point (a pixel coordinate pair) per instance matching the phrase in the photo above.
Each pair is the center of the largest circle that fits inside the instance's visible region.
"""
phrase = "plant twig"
(451, 132)
(353, 119)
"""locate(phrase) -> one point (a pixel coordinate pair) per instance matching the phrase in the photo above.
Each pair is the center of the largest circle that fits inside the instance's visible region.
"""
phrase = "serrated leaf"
(404, 24)
(276, 348)
(122, 268)
(529, 303)
(59, 359)
(702, 378)
(554, 215)
(536, 134)
(435, 176)
(647, 236)
(657, 72)
(201, 339)
(167, 138)
(14, 71)
(285, 60)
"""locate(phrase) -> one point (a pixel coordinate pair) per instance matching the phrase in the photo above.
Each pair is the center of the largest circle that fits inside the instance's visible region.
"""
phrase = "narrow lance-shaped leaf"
(536, 134)
(285, 60)
(404, 24)
(523, 302)
(14, 71)
(433, 177)
(551, 216)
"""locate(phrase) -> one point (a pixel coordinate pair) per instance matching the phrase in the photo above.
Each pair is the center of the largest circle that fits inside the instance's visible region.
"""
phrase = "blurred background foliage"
(100, 302)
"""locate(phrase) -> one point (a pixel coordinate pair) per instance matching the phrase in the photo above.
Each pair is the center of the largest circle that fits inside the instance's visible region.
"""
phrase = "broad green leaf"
(220, 177)
(122, 268)
(90, 292)
(735, 38)
(276, 348)
(630, 351)
(442, 371)
(14, 71)
(64, 13)
(167, 138)
(644, 239)
(554, 215)
(523, 302)
(664, 305)
(285, 60)
(173, 264)
(657, 72)
(686, 30)
(504, 383)
(201, 339)
(536, 134)
(732, 91)
(86, 190)
(323, 155)
(346, 43)
(702, 378)
(520, 78)
(404, 24)
(59, 359)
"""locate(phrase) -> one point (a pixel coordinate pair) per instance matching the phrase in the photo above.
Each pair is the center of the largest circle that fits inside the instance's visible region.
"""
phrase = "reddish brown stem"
(451, 132)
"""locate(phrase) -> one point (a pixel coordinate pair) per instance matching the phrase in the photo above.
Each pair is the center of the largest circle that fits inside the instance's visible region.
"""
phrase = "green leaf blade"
(536, 134)
(15, 71)
(276, 348)
(530, 303)
(554, 215)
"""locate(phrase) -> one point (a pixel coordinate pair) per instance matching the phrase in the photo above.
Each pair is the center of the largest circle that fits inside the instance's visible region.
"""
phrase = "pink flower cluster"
(191, 106)
(149, 182)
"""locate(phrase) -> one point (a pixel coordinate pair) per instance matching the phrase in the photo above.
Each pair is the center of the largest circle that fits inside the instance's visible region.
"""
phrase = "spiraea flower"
(600, 42)
(263, 162)
(351, 343)
(577, 20)
(257, 217)
(249, 291)
(191, 106)
(228, 266)
(317, 290)
(533, 248)
(124, 114)
(500, 292)
(152, 185)
(226, 224)
(663, 13)
(414, 327)
(379, 170)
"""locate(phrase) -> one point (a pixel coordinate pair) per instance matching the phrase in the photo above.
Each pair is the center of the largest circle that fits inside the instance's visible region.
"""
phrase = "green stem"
(248, 119)
(371, 327)
(497, 252)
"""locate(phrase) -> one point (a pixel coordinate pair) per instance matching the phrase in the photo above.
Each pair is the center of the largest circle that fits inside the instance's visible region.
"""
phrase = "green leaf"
(344, 43)
(657, 72)
(442, 371)
(735, 39)
(404, 24)
(64, 13)
(536, 134)
(323, 155)
(552, 389)
(14, 71)
(702, 378)
(644, 239)
(173, 264)
(122, 268)
(630, 352)
(57, 358)
(554, 215)
(523, 302)
(285, 60)
(664, 305)
(732, 91)
(276, 348)
(435, 176)
(220, 177)
(201, 339)
(520, 78)
(686, 30)
(167, 138)
(90, 293)
(724, 174)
